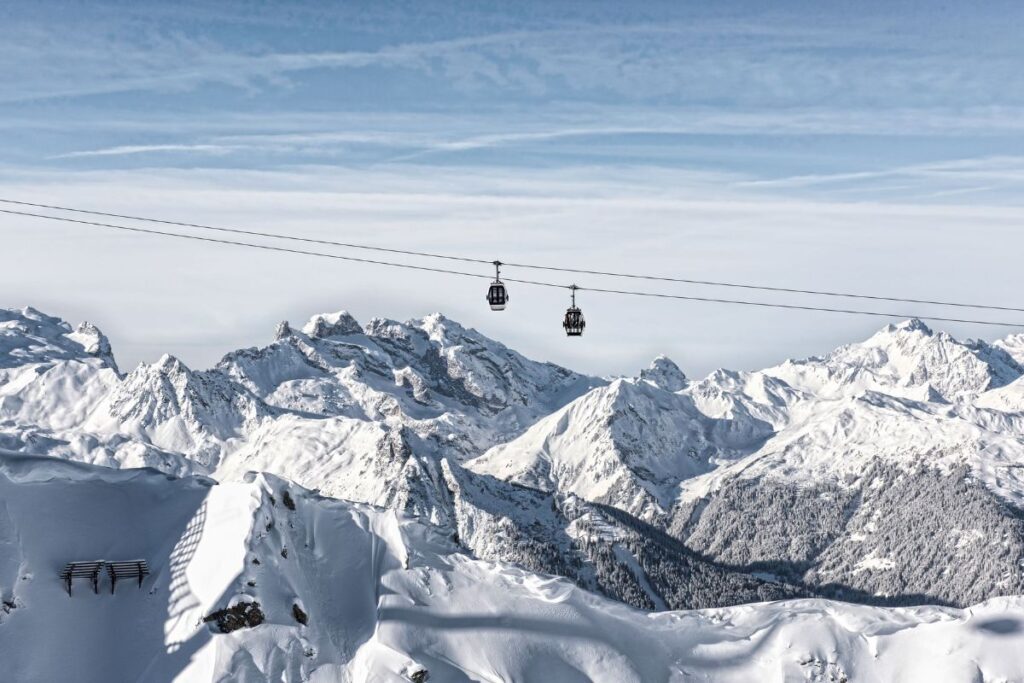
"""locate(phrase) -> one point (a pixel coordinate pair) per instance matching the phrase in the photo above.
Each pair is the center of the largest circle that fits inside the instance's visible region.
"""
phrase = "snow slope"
(628, 444)
(384, 597)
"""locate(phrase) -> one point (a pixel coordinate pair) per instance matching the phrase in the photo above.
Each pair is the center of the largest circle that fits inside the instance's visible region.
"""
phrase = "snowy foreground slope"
(386, 598)
(888, 472)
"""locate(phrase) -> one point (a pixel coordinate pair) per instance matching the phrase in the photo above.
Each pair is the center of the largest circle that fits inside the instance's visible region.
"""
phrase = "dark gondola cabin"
(574, 321)
(497, 295)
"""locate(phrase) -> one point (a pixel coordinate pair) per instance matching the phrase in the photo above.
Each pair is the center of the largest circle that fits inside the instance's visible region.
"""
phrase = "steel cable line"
(446, 271)
(268, 247)
(251, 233)
(532, 266)
(765, 304)
(766, 288)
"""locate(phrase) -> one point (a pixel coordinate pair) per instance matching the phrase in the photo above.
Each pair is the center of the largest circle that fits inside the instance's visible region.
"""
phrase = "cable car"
(497, 296)
(574, 322)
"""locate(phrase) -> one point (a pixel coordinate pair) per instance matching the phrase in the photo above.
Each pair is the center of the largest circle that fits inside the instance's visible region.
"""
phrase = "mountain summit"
(664, 373)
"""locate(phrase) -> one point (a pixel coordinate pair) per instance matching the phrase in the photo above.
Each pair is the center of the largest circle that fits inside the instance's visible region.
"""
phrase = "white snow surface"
(386, 595)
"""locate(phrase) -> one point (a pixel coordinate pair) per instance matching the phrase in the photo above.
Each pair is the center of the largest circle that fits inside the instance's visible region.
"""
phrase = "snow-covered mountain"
(261, 580)
(890, 470)
(628, 444)
(453, 389)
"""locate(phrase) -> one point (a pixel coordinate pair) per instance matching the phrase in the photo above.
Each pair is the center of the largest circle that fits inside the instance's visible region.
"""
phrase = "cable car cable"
(251, 233)
(680, 297)
(560, 269)
(267, 247)
(796, 307)
(764, 288)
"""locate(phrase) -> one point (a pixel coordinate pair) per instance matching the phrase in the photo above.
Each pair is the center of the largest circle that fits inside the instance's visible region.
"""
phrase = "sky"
(862, 147)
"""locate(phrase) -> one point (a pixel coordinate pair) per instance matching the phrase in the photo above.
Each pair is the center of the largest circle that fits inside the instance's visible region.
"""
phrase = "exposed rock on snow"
(340, 324)
(1013, 345)
(241, 615)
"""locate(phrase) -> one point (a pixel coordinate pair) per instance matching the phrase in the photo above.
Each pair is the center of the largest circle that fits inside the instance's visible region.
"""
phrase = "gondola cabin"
(574, 322)
(497, 295)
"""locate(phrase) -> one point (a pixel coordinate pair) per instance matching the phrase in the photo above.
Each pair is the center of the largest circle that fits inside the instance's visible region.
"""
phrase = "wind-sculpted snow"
(1006, 399)
(348, 592)
(661, 490)
(51, 376)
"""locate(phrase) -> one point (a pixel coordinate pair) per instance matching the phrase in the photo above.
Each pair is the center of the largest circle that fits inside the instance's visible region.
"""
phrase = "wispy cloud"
(932, 180)
(699, 59)
(127, 150)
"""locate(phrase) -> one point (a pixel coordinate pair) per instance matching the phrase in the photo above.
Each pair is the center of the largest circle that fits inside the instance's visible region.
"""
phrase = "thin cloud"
(1005, 169)
(776, 61)
(126, 150)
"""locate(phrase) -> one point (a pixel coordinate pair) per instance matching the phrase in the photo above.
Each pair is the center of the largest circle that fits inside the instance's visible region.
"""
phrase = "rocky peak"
(903, 359)
(94, 342)
(169, 365)
(440, 329)
(912, 325)
(665, 373)
(283, 331)
(327, 325)
(29, 336)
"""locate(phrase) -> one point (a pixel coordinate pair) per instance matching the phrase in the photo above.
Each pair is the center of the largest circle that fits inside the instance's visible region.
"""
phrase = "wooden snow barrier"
(86, 570)
(125, 569)
(128, 569)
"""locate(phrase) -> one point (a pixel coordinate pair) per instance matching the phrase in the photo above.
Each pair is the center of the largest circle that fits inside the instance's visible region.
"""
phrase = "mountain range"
(887, 472)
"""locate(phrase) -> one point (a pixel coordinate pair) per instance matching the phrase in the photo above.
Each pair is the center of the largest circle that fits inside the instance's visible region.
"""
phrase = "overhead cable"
(393, 264)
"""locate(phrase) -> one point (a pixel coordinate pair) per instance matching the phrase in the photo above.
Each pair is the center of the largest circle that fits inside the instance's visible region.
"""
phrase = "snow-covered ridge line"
(904, 394)
(432, 376)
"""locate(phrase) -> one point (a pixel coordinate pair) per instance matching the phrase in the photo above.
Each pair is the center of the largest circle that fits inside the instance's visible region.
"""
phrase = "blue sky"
(861, 146)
